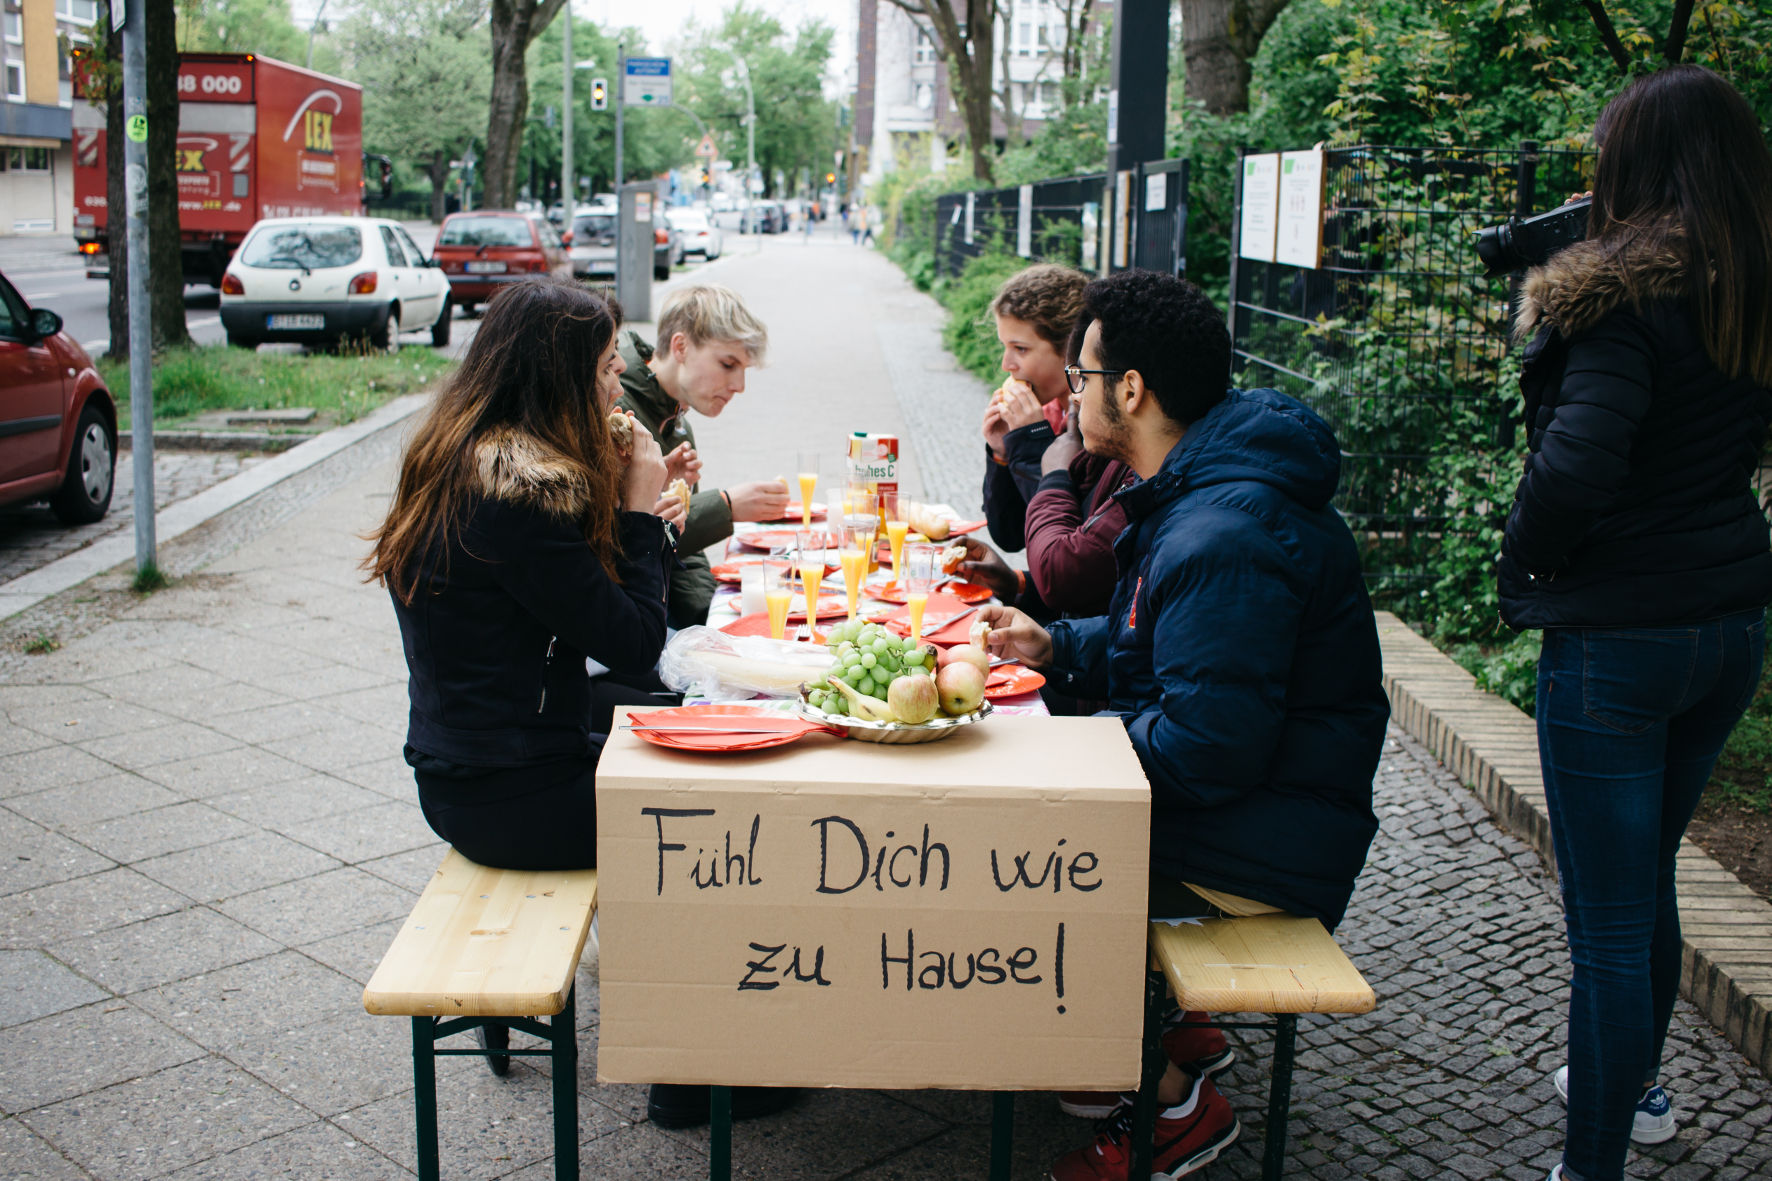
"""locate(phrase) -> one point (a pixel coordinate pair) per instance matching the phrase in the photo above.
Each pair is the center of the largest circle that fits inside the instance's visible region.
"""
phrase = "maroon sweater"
(1072, 522)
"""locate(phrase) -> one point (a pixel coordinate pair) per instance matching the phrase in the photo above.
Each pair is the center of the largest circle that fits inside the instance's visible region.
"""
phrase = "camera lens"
(1495, 246)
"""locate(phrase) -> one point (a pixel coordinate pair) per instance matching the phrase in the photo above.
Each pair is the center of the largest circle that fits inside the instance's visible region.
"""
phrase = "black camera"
(1522, 242)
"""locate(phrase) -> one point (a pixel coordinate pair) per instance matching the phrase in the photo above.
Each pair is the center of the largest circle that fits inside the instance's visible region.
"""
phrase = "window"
(302, 247)
(1049, 94)
(24, 159)
(83, 11)
(1025, 39)
(924, 52)
(413, 254)
(12, 25)
(15, 80)
(924, 96)
(396, 256)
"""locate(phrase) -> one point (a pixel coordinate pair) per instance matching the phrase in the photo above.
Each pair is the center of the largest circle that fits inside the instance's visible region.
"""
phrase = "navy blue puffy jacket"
(1241, 652)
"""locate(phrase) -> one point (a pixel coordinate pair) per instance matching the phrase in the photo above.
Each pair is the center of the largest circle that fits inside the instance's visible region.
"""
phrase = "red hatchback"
(58, 423)
(486, 249)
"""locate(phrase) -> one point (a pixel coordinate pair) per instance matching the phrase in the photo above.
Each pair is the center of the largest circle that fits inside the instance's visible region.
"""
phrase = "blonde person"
(707, 338)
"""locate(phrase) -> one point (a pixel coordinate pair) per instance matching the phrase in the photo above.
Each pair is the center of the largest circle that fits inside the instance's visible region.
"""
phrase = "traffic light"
(599, 94)
(830, 178)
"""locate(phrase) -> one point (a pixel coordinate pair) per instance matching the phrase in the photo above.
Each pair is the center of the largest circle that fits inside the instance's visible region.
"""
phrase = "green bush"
(971, 332)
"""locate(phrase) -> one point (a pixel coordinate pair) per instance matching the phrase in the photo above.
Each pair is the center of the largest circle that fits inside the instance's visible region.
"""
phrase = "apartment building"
(36, 129)
(904, 107)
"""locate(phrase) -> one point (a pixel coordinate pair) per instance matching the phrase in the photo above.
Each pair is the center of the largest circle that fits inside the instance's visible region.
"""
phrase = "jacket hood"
(1580, 284)
(517, 468)
(1253, 435)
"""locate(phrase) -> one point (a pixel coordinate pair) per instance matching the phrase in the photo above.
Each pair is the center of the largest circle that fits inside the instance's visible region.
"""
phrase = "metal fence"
(1396, 338)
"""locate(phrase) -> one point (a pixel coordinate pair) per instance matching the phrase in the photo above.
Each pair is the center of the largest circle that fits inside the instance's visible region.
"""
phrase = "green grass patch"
(148, 579)
(340, 387)
(1743, 776)
(41, 645)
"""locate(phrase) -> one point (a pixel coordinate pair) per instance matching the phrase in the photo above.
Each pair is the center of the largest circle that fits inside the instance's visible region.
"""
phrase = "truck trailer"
(256, 138)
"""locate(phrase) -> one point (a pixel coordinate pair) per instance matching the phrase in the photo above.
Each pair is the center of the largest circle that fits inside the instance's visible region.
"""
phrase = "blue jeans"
(1630, 723)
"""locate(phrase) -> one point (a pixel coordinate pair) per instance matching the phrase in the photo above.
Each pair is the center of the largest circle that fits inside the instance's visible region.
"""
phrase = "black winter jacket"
(1635, 508)
(497, 635)
(1241, 653)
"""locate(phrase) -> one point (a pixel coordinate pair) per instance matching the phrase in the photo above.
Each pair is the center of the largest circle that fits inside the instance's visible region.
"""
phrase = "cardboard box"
(967, 913)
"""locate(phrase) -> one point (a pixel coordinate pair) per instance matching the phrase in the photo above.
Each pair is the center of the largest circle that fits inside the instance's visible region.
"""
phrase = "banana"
(868, 709)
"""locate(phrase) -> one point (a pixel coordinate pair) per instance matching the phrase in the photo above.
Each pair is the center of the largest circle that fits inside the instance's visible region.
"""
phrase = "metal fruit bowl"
(897, 733)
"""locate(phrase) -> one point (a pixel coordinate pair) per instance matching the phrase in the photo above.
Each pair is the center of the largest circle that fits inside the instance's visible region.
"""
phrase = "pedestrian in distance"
(518, 543)
(707, 339)
(1239, 650)
(1635, 541)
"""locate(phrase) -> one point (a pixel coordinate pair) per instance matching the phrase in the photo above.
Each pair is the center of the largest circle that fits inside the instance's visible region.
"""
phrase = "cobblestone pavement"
(31, 536)
(211, 839)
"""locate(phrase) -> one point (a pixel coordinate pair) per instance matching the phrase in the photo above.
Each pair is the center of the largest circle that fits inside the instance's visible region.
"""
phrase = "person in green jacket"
(707, 338)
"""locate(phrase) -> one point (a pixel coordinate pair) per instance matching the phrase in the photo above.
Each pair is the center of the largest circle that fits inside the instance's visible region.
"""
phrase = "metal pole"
(621, 101)
(750, 135)
(311, 27)
(568, 187)
(135, 187)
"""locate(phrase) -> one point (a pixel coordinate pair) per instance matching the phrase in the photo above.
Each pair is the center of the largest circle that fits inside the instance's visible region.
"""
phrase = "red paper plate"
(1009, 680)
(792, 512)
(757, 624)
(780, 539)
(966, 592)
(785, 727)
(733, 572)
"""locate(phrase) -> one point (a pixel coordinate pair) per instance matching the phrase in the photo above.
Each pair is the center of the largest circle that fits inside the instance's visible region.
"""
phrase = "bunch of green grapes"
(870, 658)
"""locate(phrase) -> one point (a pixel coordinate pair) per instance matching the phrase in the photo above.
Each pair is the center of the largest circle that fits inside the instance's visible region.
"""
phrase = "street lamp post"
(750, 134)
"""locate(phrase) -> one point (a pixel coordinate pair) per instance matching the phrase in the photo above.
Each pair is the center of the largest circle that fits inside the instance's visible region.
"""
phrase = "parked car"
(667, 249)
(700, 236)
(58, 423)
(481, 252)
(764, 217)
(593, 244)
(325, 280)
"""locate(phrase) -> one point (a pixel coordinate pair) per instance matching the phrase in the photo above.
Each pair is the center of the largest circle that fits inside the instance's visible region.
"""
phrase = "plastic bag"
(706, 662)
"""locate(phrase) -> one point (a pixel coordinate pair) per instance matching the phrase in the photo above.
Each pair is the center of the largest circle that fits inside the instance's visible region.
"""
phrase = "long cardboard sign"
(968, 913)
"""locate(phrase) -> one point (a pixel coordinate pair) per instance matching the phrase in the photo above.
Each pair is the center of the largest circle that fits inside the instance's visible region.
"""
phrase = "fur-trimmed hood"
(1580, 284)
(518, 468)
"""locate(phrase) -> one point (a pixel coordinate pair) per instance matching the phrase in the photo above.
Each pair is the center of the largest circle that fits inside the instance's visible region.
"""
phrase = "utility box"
(634, 242)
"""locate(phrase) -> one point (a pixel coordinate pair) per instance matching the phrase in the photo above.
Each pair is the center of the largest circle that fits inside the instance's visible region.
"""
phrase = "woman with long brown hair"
(1636, 543)
(519, 542)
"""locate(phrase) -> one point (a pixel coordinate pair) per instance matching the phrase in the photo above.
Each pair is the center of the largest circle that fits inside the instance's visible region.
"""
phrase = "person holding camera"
(1636, 543)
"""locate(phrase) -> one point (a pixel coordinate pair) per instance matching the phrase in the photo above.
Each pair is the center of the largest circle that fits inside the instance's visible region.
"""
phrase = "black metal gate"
(1160, 237)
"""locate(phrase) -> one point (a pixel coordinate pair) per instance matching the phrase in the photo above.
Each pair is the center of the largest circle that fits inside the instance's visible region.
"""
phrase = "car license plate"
(295, 321)
(486, 268)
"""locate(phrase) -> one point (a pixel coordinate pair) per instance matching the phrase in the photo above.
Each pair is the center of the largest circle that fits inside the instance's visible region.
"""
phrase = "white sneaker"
(1654, 1119)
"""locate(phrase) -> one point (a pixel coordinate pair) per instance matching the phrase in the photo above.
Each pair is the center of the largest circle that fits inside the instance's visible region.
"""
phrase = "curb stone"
(177, 519)
(1492, 747)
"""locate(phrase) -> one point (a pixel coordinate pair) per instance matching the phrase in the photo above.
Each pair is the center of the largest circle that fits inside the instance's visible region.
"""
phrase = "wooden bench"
(1275, 964)
(490, 947)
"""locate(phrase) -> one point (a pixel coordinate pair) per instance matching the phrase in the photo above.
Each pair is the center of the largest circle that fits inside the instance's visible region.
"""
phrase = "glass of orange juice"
(809, 558)
(778, 593)
(861, 527)
(918, 581)
(807, 467)
(896, 529)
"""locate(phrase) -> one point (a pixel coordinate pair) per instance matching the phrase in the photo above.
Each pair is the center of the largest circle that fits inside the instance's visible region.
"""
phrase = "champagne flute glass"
(896, 529)
(862, 526)
(807, 467)
(811, 566)
(778, 592)
(919, 581)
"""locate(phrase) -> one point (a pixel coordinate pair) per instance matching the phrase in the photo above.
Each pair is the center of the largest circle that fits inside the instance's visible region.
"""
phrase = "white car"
(323, 280)
(700, 236)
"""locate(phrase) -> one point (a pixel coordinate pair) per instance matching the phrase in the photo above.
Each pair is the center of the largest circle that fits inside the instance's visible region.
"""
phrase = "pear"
(913, 698)
(960, 685)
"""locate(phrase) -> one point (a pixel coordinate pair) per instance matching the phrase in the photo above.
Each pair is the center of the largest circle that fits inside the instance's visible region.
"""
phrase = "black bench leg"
(424, 1095)
(1002, 1134)
(1155, 1064)
(719, 1134)
(1279, 1096)
(564, 1028)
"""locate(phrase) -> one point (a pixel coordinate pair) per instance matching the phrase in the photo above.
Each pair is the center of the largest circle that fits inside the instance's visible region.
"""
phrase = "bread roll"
(621, 431)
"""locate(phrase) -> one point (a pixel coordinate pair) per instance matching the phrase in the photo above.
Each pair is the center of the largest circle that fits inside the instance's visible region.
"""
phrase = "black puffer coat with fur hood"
(1635, 508)
(497, 634)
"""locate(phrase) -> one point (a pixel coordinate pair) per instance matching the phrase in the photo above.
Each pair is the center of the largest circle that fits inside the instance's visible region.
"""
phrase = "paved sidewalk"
(211, 839)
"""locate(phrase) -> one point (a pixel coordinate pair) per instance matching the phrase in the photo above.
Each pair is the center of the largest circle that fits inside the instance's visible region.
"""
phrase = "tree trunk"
(1011, 119)
(116, 216)
(968, 51)
(1219, 39)
(515, 24)
(166, 279)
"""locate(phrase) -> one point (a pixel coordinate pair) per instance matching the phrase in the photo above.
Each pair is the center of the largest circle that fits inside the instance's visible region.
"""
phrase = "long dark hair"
(1683, 165)
(532, 369)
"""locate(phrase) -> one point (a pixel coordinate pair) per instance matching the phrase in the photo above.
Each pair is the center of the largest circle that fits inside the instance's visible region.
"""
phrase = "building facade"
(904, 106)
(36, 128)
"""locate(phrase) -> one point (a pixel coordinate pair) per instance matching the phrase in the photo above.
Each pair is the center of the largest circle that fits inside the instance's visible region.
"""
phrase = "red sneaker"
(1189, 1136)
(1203, 1049)
(1089, 1104)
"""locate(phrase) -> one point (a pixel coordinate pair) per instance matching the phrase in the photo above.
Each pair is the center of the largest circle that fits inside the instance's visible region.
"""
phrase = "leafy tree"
(515, 26)
(241, 26)
(966, 31)
(796, 125)
(423, 67)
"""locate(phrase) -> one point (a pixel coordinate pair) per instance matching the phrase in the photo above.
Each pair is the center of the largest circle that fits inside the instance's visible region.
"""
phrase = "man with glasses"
(1239, 648)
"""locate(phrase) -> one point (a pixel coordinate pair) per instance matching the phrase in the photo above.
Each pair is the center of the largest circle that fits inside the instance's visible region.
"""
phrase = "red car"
(58, 423)
(482, 251)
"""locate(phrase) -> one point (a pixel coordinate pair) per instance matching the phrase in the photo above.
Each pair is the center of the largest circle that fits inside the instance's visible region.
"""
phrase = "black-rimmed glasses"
(1075, 376)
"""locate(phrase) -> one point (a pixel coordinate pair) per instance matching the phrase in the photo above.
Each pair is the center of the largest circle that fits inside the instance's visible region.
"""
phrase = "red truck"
(256, 138)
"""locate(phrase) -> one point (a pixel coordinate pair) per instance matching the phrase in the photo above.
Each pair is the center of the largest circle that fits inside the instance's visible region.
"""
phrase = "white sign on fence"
(647, 82)
(1261, 207)
(1299, 240)
(1156, 192)
(1024, 221)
